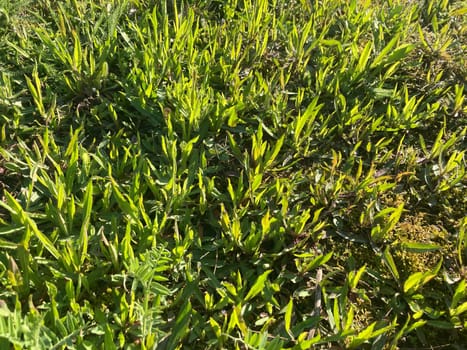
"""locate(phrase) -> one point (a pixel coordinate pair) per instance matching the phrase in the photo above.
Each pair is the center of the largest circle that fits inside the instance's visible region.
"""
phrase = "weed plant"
(233, 174)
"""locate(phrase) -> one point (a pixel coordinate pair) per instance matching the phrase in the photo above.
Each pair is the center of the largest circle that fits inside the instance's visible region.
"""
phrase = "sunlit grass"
(232, 174)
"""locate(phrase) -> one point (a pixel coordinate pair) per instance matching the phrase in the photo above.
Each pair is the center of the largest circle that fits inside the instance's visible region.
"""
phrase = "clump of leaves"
(232, 174)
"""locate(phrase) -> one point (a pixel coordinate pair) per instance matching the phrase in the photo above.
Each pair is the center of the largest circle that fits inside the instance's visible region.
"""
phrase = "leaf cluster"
(232, 174)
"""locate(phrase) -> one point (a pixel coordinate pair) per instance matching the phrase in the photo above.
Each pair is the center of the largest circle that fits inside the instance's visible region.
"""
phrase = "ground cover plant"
(233, 174)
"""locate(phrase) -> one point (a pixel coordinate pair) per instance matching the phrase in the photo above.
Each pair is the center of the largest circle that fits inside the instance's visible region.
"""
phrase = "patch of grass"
(232, 174)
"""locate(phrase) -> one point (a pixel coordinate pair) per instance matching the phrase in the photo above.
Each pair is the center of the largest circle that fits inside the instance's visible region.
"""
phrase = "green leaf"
(288, 317)
(336, 312)
(387, 257)
(384, 52)
(7, 245)
(460, 309)
(216, 327)
(400, 53)
(258, 285)
(270, 157)
(16, 208)
(109, 338)
(265, 223)
(87, 209)
(125, 203)
(440, 324)
(362, 62)
(418, 279)
(458, 294)
(318, 261)
(159, 289)
(77, 53)
(180, 328)
(354, 278)
(415, 247)
(367, 334)
(415, 325)
(415, 280)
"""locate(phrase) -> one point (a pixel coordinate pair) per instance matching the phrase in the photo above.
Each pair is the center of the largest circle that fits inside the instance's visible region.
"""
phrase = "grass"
(233, 174)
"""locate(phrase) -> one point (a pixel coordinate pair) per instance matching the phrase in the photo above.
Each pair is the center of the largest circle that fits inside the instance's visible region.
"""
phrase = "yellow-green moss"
(416, 229)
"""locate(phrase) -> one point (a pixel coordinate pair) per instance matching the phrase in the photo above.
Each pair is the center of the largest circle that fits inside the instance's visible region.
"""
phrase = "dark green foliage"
(232, 174)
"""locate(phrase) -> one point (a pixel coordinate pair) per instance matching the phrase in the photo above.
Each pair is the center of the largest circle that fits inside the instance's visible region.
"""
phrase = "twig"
(317, 308)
